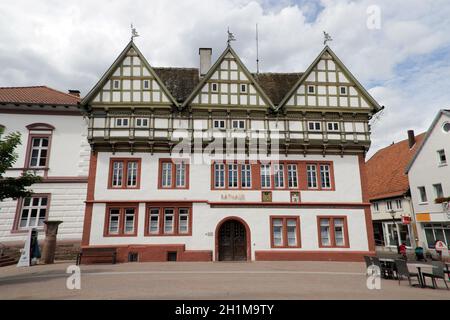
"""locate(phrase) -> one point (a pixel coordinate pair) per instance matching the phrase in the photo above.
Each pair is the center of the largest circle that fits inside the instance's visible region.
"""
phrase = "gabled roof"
(328, 50)
(386, 169)
(40, 95)
(131, 45)
(213, 69)
(430, 130)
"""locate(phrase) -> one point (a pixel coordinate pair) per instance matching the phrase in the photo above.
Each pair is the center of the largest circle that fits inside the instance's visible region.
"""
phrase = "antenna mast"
(257, 50)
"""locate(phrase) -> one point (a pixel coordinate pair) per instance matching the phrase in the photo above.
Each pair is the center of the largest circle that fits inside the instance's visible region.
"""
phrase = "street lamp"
(394, 227)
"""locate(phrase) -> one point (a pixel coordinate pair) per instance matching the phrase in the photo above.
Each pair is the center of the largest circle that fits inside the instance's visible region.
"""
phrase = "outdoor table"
(419, 267)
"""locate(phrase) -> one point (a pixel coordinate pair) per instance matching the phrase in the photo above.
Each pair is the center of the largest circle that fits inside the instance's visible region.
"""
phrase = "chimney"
(75, 93)
(205, 60)
(411, 138)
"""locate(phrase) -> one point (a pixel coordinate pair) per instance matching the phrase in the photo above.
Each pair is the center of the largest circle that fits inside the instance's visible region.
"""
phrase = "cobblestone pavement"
(257, 280)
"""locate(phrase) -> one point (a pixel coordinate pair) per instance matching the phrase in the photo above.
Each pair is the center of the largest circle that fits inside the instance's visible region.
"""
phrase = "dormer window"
(219, 124)
(343, 91)
(244, 88)
(311, 89)
(116, 84)
(122, 122)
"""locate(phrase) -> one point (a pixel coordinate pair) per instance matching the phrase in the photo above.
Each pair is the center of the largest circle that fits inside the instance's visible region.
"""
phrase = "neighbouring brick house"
(389, 193)
(54, 146)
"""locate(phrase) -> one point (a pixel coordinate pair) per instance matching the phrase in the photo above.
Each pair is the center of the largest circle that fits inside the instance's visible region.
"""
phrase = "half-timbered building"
(221, 164)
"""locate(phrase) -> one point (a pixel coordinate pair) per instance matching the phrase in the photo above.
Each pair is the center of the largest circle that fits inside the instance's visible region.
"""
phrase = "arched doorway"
(233, 240)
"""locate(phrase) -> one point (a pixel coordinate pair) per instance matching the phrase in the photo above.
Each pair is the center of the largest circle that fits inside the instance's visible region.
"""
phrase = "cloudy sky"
(405, 64)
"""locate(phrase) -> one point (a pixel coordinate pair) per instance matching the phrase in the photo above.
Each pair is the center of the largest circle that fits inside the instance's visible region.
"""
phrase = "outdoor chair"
(438, 273)
(385, 272)
(368, 261)
(403, 271)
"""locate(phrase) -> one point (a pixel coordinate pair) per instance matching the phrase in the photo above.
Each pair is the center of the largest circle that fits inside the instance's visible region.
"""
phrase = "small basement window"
(172, 256)
(133, 257)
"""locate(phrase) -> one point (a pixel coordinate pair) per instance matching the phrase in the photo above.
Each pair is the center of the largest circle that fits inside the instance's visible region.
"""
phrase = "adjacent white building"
(55, 147)
(429, 178)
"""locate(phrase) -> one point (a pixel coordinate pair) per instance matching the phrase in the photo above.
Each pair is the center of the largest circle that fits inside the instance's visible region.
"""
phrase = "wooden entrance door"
(232, 241)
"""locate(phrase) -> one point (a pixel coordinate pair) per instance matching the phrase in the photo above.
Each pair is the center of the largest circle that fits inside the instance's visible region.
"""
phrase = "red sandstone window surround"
(173, 174)
(121, 220)
(333, 232)
(164, 219)
(283, 175)
(124, 173)
(285, 232)
(39, 146)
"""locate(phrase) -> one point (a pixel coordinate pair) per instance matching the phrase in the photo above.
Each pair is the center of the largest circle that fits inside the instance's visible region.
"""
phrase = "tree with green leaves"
(13, 187)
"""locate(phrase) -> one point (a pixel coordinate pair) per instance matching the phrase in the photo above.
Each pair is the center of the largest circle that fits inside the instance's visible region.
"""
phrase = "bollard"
(48, 252)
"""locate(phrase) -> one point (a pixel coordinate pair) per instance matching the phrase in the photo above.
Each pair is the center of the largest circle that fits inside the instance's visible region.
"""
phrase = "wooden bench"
(101, 255)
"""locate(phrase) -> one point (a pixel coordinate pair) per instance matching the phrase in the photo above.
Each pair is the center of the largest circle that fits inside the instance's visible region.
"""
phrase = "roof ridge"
(24, 87)
(177, 68)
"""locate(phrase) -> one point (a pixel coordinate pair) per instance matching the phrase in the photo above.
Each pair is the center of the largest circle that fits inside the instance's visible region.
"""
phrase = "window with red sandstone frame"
(124, 174)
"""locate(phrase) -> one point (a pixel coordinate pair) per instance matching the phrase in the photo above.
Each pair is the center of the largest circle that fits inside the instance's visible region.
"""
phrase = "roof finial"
(134, 33)
(326, 38)
(230, 37)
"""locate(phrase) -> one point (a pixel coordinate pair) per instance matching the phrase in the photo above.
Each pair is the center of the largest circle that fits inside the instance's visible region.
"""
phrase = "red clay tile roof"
(386, 169)
(41, 95)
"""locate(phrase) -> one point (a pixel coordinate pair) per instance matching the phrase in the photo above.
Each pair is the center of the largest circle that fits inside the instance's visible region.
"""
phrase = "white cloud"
(70, 45)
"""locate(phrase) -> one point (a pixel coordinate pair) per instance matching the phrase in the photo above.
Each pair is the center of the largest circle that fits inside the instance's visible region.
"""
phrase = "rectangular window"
(311, 89)
(219, 124)
(173, 174)
(244, 88)
(39, 152)
(292, 176)
(146, 84)
(154, 221)
(325, 176)
(399, 204)
(376, 207)
(168, 221)
(116, 84)
(141, 123)
(279, 175)
(389, 205)
(314, 126)
(238, 124)
(121, 221)
(277, 227)
(333, 232)
(114, 221)
(343, 91)
(438, 191)
(33, 212)
(232, 176)
(214, 87)
(423, 195)
(311, 171)
(266, 176)
(246, 176)
(285, 232)
(442, 157)
(183, 220)
(333, 126)
(122, 122)
(219, 175)
(124, 173)
(129, 221)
